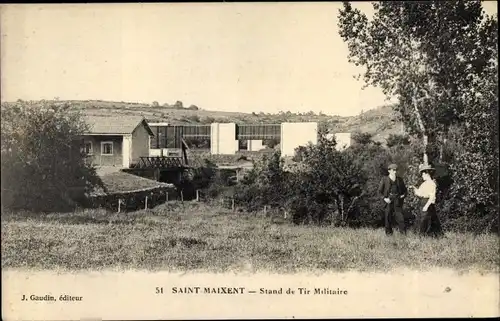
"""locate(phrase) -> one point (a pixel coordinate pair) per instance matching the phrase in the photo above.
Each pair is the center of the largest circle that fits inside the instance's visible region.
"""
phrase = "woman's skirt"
(428, 223)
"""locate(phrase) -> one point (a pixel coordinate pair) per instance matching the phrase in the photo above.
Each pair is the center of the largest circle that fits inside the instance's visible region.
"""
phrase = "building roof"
(121, 125)
(116, 182)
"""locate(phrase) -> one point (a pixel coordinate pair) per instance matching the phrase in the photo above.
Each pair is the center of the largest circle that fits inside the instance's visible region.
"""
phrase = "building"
(294, 135)
(229, 138)
(117, 141)
(169, 139)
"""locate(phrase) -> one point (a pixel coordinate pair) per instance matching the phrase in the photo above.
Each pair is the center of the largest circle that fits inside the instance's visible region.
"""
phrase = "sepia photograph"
(249, 160)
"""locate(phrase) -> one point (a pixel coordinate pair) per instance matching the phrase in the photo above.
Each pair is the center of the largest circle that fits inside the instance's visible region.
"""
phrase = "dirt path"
(131, 295)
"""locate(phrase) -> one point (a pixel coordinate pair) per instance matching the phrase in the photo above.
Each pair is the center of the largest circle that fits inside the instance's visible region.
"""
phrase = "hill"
(381, 121)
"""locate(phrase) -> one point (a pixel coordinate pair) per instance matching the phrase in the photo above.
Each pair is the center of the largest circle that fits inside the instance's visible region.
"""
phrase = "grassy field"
(193, 236)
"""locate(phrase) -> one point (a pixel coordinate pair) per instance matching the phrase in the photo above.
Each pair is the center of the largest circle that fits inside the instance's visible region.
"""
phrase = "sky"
(245, 57)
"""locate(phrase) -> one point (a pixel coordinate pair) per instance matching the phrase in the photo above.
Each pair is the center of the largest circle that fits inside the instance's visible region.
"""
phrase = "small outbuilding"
(117, 141)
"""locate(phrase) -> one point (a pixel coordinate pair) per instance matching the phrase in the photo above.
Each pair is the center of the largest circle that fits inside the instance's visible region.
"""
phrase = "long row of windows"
(258, 131)
(171, 136)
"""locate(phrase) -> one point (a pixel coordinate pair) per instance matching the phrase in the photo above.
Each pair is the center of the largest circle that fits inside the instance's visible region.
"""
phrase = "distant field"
(194, 236)
(380, 121)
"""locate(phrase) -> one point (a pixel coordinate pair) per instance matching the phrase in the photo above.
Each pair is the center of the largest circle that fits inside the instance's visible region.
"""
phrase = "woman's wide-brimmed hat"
(425, 167)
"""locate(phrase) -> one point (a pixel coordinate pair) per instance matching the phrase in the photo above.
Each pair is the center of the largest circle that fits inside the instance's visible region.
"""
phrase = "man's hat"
(393, 166)
(424, 167)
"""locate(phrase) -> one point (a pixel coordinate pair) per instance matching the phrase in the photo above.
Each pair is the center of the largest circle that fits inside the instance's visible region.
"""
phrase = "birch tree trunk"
(420, 124)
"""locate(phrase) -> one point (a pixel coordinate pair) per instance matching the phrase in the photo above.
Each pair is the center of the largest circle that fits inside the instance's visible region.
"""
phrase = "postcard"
(249, 160)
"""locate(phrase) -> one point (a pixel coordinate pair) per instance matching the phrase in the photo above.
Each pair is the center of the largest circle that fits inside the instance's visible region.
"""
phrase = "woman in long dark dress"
(427, 221)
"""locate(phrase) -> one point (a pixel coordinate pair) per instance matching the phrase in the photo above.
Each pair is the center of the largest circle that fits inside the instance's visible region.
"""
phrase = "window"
(107, 148)
(88, 148)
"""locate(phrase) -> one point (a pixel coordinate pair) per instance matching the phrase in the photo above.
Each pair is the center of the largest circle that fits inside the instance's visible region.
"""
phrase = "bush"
(324, 185)
(362, 138)
(396, 140)
(43, 168)
(328, 184)
(271, 143)
(265, 184)
(299, 154)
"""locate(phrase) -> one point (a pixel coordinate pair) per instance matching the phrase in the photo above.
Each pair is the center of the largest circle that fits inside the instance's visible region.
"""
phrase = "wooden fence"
(231, 203)
(134, 200)
(151, 197)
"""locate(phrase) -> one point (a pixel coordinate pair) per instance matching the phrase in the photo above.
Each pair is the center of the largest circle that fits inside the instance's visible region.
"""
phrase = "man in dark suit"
(393, 190)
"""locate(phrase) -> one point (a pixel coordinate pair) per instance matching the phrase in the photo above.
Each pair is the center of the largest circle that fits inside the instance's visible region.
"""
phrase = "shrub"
(265, 184)
(43, 168)
(326, 185)
(299, 154)
(271, 143)
(362, 138)
(396, 140)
